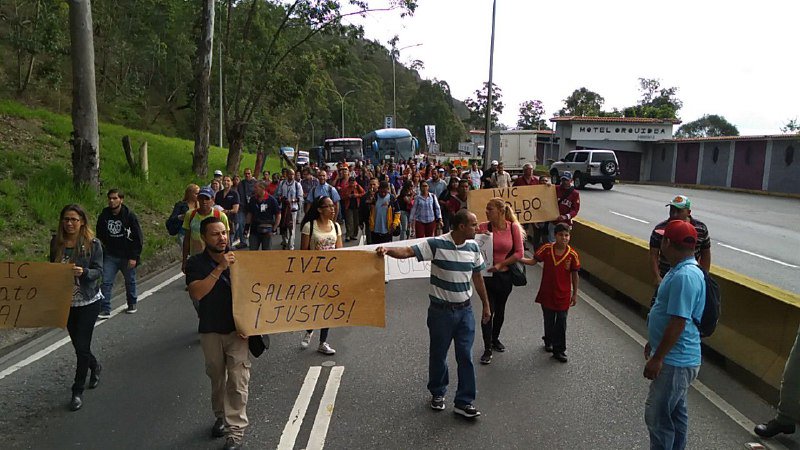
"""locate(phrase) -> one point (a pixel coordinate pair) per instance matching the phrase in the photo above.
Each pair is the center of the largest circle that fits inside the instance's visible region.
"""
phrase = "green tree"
(531, 116)
(271, 57)
(792, 126)
(433, 105)
(656, 102)
(710, 125)
(477, 106)
(582, 102)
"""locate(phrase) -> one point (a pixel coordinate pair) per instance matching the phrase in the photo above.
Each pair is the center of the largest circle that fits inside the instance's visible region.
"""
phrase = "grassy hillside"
(36, 179)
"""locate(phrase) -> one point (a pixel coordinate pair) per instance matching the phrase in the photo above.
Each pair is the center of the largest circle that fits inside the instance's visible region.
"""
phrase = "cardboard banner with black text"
(276, 291)
(532, 204)
(35, 294)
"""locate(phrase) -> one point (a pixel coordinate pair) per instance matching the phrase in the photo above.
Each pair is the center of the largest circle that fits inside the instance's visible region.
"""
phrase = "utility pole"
(488, 133)
(395, 53)
(341, 97)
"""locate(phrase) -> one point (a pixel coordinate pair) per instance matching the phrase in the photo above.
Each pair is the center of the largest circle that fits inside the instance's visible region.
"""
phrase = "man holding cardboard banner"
(456, 264)
(530, 203)
(225, 350)
(292, 291)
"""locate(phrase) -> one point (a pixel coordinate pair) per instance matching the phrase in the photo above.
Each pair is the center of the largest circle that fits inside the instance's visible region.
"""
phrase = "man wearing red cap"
(673, 345)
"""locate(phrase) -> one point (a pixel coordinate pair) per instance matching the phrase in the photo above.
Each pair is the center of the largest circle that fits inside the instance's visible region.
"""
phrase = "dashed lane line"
(758, 256)
(628, 217)
(729, 410)
(320, 429)
(63, 341)
(292, 427)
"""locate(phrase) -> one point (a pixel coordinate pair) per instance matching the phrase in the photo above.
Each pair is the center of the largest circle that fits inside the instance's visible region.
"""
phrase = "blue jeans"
(665, 409)
(403, 225)
(446, 325)
(240, 218)
(112, 265)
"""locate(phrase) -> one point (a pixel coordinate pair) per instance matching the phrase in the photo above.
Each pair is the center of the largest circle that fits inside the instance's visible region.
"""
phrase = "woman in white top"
(319, 231)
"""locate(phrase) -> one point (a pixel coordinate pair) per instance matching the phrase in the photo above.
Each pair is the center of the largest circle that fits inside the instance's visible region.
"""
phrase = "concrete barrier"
(759, 322)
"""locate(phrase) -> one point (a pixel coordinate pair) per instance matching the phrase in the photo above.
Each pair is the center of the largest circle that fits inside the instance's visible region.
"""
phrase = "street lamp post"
(341, 98)
(396, 52)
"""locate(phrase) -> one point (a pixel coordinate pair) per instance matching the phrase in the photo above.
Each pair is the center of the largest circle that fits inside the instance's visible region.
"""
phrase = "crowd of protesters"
(376, 204)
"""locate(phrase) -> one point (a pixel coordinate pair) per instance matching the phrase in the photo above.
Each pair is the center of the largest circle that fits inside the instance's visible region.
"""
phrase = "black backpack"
(174, 224)
(713, 307)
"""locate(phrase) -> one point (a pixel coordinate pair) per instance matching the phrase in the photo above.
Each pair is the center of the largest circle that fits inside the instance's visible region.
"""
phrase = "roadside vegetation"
(36, 179)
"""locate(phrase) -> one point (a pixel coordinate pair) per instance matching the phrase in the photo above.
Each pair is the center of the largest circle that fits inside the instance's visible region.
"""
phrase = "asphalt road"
(754, 235)
(154, 393)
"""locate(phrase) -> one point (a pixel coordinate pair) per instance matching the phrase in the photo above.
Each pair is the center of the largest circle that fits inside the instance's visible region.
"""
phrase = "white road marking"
(55, 346)
(317, 439)
(704, 390)
(292, 427)
(758, 256)
(628, 217)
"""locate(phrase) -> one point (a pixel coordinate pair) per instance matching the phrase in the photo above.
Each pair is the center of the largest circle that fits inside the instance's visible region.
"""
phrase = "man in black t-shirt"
(263, 217)
(680, 208)
(225, 351)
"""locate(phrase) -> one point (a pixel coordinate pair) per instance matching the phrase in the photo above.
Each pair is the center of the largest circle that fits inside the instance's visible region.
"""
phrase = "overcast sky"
(735, 59)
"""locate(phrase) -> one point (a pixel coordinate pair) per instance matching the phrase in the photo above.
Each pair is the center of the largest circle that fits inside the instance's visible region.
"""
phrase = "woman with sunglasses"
(319, 231)
(74, 243)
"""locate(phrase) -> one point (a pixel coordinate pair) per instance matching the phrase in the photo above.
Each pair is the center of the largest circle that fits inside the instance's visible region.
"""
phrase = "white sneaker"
(326, 349)
(306, 339)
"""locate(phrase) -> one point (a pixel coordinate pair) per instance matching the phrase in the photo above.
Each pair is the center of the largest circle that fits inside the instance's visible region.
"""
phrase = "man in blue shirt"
(673, 345)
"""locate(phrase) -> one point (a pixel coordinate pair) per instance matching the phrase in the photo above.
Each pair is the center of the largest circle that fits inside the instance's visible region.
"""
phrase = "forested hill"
(144, 58)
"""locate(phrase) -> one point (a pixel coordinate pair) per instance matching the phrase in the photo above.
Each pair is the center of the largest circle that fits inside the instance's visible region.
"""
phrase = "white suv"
(588, 167)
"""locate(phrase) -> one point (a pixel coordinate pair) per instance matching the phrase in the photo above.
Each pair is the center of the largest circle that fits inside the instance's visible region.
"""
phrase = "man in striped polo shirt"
(456, 266)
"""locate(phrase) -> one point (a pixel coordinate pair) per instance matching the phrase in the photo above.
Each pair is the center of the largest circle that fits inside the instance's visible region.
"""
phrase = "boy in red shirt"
(559, 289)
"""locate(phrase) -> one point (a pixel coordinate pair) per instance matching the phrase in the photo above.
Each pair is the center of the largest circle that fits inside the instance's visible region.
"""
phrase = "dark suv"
(588, 167)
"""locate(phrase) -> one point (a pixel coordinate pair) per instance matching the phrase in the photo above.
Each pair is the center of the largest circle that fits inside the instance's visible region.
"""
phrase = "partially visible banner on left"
(35, 294)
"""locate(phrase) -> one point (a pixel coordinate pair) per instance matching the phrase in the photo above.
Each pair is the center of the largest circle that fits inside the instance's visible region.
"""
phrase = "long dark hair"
(313, 212)
(83, 246)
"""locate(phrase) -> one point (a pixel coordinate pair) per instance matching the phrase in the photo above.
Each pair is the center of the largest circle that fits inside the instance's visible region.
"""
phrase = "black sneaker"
(94, 378)
(561, 356)
(548, 348)
(469, 411)
(498, 346)
(76, 403)
(437, 402)
(232, 444)
(131, 309)
(773, 428)
(486, 358)
(218, 429)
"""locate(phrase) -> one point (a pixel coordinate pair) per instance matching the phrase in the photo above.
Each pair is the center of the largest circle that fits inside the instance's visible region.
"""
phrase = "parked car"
(588, 167)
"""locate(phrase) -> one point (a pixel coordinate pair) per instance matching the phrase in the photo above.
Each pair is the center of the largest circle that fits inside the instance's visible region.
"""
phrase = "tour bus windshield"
(346, 149)
(391, 143)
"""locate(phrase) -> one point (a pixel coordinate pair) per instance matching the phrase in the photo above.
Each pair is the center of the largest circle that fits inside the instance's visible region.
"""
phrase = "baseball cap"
(680, 202)
(217, 173)
(566, 175)
(680, 232)
(207, 192)
(494, 163)
(441, 169)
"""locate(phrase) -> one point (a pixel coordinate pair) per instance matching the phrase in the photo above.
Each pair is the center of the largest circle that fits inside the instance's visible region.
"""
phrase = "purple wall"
(629, 165)
(686, 164)
(748, 164)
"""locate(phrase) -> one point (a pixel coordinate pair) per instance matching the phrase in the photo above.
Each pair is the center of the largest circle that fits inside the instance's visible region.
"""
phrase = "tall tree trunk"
(236, 135)
(202, 99)
(85, 136)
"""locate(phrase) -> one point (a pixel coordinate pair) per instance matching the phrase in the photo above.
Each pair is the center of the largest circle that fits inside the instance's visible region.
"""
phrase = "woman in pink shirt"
(507, 237)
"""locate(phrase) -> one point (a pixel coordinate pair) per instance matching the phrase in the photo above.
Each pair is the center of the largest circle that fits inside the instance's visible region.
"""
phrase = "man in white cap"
(217, 177)
(680, 208)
